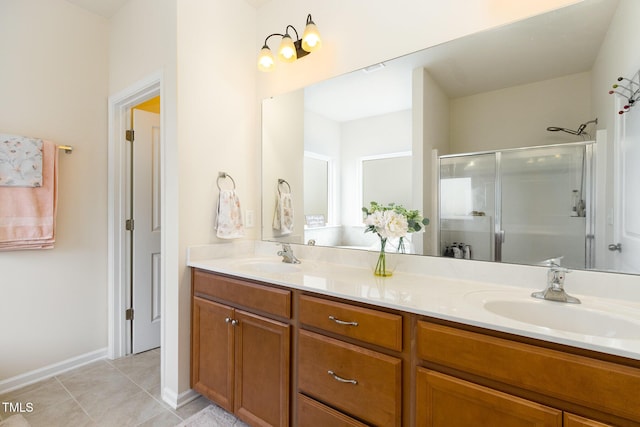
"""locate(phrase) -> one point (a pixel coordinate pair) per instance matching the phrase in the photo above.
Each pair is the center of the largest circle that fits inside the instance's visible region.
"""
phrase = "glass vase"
(382, 269)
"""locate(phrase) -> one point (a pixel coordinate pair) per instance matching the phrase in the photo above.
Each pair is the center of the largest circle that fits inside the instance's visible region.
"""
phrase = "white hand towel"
(228, 222)
(283, 216)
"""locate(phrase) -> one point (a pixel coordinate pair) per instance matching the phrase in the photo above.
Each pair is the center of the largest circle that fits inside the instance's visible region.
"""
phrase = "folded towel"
(228, 221)
(20, 161)
(283, 216)
(27, 215)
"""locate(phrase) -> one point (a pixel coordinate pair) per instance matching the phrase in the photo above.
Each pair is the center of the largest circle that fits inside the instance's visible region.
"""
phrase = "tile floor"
(118, 393)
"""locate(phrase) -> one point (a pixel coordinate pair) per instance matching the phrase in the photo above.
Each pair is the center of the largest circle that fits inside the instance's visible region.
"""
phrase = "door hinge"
(129, 135)
(129, 224)
(128, 314)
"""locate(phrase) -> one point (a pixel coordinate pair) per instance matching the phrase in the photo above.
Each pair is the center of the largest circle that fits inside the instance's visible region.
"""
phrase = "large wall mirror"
(506, 139)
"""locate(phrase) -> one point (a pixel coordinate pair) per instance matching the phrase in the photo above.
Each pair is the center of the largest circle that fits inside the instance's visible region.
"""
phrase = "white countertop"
(346, 274)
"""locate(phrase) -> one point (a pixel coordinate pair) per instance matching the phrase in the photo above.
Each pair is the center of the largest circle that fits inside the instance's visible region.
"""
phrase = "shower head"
(557, 129)
(580, 130)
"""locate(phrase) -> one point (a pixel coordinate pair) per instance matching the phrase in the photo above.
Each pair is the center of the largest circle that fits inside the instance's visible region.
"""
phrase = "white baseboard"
(178, 400)
(40, 374)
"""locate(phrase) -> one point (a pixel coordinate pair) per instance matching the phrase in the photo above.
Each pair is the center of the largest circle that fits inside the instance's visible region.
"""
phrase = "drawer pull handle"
(342, 322)
(342, 380)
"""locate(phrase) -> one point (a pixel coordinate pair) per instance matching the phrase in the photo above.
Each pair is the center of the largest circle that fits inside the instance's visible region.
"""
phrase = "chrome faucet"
(287, 254)
(555, 287)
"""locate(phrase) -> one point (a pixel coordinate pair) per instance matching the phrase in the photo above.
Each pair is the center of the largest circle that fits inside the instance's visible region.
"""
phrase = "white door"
(627, 230)
(146, 231)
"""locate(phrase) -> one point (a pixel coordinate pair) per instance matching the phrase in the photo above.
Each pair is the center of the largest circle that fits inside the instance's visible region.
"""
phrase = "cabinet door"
(444, 401)
(262, 370)
(212, 352)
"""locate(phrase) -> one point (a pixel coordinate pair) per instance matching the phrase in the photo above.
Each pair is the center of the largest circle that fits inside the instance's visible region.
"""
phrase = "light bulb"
(287, 50)
(311, 37)
(266, 61)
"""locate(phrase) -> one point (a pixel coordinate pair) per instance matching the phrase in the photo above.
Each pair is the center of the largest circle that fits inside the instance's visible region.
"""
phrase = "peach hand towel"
(27, 215)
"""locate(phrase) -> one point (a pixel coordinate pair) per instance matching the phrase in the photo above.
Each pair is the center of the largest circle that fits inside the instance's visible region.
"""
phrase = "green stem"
(381, 265)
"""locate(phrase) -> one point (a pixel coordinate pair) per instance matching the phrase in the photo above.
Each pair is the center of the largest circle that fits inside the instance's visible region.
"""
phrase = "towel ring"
(222, 175)
(282, 181)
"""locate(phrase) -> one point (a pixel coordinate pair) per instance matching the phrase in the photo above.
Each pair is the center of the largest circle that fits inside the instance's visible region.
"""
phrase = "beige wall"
(53, 85)
(217, 131)
(523, 114)
(142, 42)
(358, 33)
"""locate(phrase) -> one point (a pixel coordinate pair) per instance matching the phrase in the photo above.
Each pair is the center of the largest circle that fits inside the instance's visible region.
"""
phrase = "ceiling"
(555, 44)
(108, 8)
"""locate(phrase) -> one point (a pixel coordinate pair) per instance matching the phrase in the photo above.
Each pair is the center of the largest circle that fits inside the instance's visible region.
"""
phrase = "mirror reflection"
(506, 139)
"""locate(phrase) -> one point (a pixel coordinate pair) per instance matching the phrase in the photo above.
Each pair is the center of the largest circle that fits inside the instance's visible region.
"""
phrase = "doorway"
(120, 296)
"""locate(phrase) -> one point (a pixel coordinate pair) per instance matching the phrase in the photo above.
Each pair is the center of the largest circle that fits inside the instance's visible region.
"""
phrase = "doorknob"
(616, 247)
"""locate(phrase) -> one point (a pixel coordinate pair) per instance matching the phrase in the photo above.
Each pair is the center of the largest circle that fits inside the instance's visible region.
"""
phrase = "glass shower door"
(467, 206)
(544, 195)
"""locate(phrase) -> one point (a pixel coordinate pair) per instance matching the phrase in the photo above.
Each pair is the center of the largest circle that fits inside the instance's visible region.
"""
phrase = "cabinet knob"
(342, 322)
(233, 322)
(340, 379)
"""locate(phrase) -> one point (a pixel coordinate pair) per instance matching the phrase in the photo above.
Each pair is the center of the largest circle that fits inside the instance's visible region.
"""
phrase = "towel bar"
(224, 175)
(67, 148)
(282, 181)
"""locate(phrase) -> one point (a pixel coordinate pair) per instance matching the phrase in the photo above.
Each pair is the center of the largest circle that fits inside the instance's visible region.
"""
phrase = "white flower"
(376, 220)
(396, 225)
(388, 224)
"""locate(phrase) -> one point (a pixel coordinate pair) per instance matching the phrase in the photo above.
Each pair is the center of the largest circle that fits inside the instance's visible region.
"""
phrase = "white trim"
(46, 372)
(118, 291)
(178, 400)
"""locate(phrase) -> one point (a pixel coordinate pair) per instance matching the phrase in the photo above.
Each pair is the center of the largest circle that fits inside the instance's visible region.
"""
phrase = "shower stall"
(527, 205)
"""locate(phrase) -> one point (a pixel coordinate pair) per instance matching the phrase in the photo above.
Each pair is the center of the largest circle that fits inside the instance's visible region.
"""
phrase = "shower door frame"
(588, 194)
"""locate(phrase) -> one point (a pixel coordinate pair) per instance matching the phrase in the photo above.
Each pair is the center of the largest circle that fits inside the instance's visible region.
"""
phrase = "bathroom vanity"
(321, 344)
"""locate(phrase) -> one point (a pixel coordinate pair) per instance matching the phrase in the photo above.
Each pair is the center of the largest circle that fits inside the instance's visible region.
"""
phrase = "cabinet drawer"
(363, 383)
(571, 420)
(592, 383)
(315, 414)
(447, 401)
(242, 293)
(370, 326)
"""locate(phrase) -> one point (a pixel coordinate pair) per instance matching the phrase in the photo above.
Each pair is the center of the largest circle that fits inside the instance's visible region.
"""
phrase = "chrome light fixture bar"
(290, 50)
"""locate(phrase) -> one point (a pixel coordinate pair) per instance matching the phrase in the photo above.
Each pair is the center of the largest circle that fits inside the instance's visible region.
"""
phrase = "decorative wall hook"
(630, 91)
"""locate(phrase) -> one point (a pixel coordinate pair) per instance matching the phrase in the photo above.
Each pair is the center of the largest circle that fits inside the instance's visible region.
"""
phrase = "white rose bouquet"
(391, 221)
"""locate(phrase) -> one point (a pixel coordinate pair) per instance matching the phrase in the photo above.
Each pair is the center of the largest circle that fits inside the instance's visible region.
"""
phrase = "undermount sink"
(268, 266)
(576, 318)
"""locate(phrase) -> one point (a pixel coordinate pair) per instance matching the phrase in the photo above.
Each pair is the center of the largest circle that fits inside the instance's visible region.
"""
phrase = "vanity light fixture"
(290, 50)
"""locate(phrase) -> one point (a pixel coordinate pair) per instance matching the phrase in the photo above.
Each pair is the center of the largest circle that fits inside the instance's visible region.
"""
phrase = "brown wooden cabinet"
(355, 365)
(567, 381)
(241, 361)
